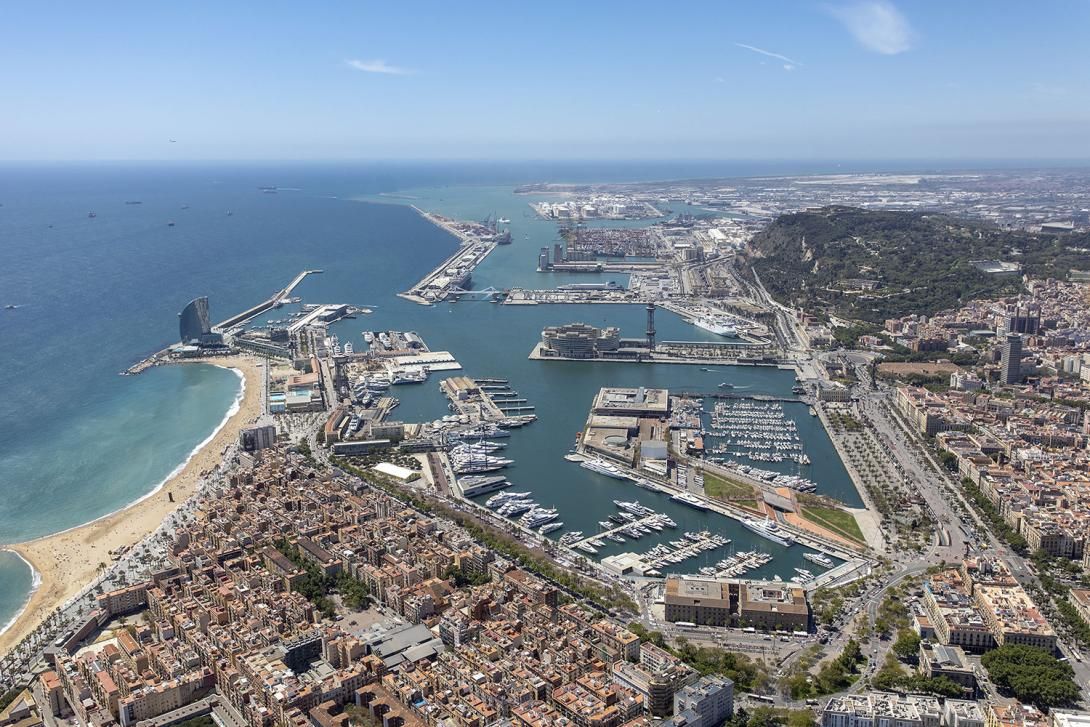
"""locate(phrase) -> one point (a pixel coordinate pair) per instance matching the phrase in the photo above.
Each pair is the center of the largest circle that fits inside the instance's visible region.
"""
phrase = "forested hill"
(872, 265)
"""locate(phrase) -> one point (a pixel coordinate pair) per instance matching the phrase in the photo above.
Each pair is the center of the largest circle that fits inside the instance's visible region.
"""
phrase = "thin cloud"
(378, 66)
(877, 25)
(788, 64)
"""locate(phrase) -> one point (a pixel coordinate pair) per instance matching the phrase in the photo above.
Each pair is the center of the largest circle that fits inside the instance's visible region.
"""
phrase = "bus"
(685, 624)
(762, 698)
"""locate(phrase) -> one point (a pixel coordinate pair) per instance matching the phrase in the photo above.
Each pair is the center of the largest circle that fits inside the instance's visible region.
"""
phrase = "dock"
(617, 530)
(273, 302)
(451, 278)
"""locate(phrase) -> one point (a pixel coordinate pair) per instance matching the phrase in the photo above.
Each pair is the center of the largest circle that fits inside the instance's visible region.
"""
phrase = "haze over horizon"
(850, 79)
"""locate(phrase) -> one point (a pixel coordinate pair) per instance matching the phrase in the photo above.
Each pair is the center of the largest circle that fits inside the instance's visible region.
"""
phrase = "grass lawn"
(839, 521)
(724, 489)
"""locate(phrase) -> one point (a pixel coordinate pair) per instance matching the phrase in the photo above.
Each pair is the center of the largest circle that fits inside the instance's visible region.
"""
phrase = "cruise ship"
(822, 560)
(768, 529)
(603, 468)
(717, 328)
(690, 500)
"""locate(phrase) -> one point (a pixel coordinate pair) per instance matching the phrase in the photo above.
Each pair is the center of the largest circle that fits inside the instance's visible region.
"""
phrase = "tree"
(1032, 675)
(907, 645)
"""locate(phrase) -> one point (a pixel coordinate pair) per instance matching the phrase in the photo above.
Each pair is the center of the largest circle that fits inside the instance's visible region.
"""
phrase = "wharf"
(269, 304)
(451, 277)
(658, 357)
(619, 529)
(234, 321)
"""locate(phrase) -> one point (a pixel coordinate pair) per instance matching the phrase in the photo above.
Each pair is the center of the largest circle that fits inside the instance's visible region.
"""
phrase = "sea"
(97, 274)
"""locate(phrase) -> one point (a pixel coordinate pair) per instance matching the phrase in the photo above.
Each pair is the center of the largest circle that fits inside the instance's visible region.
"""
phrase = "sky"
(729, 79)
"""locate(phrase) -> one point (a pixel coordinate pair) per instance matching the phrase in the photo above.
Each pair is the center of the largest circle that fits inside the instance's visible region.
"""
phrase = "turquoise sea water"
(77, 441)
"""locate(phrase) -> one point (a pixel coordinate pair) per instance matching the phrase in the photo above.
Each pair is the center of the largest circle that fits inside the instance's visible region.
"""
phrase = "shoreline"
(59, 576)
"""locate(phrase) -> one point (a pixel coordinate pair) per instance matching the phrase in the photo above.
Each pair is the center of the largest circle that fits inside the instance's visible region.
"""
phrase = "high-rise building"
(543, 260)
(1010, 369)
(193, 321)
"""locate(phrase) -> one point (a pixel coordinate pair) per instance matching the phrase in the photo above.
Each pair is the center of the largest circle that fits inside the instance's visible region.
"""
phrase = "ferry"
(603, 468)
(550, 527)
(768, 529)
(819, 558)
(718, 329)
(690, 500)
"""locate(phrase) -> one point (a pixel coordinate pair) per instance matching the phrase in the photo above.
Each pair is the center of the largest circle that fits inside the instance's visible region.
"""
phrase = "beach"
(66, 562)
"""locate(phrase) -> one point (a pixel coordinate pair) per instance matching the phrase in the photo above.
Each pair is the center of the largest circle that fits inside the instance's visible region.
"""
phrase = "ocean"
(95, 294)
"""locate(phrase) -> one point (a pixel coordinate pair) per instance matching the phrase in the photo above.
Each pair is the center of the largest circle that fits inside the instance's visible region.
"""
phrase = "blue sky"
(847, 79)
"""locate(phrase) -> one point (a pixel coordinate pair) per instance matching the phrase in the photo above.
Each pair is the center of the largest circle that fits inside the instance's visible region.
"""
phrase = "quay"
(660, 356)
(234, 321)
(451, 278)
(276, 300)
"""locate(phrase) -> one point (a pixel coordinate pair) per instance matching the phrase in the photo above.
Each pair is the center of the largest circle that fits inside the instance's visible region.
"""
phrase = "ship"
(769, 530)
(538, 516)
(602, 468)
(587, 548)
(502, 498)
(481, 485)
(820, 559)
(368, 336)
(690, 500)
(717, 328)
(550, 527)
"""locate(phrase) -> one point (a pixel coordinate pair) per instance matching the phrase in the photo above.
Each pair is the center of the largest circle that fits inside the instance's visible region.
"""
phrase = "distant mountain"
(873, 265)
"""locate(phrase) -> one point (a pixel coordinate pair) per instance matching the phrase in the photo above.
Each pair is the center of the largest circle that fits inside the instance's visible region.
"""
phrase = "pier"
(451, 278)
(654, 517)
(269, 304)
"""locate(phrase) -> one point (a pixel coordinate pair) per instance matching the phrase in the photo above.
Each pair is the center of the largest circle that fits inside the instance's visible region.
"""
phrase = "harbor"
(453, 277)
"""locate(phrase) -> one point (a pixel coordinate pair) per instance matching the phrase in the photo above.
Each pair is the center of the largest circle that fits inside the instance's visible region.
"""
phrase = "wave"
(236, 406)
(35, 583)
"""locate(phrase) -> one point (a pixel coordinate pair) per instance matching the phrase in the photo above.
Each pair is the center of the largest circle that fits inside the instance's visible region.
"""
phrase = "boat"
(92, 215)
(475, 485)
(503, 221)
(368, 336)
(616, 538)
(718, 329)
(170, 223)
(504, 497)
(813, 412)
(586, 548)
(538, 516)
(603, 468)
(769, 530)
(550, 527)
(690, 500)
(725, 385)
(819, 558)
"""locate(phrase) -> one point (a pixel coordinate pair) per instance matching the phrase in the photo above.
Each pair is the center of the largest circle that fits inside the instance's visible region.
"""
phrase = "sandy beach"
(68, 561)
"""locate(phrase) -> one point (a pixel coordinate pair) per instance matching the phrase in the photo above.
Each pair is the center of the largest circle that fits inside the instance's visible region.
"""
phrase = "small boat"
(92, 215)
(170, 223)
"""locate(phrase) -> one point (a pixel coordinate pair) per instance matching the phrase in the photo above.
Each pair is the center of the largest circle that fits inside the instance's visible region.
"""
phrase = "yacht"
(475, 485)
(502, 498)
(586, 548)
(819, 558)
(550, 527)
(538, 516)
(690, 500)
(603, 468)
(368, 336)
(768, 529)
